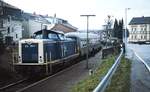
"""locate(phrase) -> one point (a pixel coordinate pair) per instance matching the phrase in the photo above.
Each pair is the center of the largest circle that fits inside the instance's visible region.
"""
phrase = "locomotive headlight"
(40, 58)
(19, 59)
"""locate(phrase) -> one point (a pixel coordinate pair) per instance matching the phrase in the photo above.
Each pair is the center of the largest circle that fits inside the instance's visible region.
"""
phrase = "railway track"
(20, 85)
(14, 87)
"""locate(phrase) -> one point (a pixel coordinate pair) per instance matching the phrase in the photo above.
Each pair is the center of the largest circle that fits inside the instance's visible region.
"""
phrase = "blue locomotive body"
(47, 47)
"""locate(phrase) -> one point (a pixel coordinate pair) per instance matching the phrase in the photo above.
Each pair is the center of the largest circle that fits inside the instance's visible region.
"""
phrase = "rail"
(13, 84)
(106, 80)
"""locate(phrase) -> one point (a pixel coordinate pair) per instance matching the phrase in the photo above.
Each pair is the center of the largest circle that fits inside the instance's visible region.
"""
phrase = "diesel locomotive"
(51, 47)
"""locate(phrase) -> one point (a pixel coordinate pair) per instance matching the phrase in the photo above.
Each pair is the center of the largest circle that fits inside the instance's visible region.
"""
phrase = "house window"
(144, 29)
(141, 37)
(132, 37)
(134, 29)
(145, 37)
(12, 30)
(135, 37)
(9, 19)
(16, 35)
(8, 30)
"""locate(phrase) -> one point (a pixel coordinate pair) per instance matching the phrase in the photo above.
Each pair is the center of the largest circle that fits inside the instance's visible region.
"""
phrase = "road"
(140, 76)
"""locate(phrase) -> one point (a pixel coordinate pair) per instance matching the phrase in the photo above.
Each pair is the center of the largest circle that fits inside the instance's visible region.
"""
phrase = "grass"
(90, 83)
(121, 80)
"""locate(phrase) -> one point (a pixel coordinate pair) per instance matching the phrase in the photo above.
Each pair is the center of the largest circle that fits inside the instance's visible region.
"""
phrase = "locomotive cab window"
(52, 36)
(61, 36)
(38, 36)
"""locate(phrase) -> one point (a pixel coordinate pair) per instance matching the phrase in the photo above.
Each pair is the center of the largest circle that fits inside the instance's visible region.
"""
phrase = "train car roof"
(81, 35)
(49, 31)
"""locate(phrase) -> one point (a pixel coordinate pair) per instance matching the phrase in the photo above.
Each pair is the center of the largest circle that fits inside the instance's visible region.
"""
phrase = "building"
(10, 22)
(32, 23)
(59, 24)
(139, 29)
(35, 22)
(15, 24)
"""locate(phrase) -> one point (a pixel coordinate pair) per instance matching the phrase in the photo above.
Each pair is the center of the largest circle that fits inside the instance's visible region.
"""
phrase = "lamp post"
(125, 35)
(87, 40)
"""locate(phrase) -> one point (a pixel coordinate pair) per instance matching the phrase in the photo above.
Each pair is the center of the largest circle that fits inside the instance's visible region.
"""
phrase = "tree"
(118, 29)
(114, 33)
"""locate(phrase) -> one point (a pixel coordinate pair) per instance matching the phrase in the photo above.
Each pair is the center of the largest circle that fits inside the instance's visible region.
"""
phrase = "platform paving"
(65, 80)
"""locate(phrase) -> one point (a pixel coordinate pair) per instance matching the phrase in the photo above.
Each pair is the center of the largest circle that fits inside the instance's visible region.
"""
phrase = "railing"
(106, 80)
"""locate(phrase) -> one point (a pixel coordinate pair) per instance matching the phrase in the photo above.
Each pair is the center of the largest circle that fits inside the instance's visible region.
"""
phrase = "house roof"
(4, 4)
(8, 10)
(28, 16)
(140, 20)
(37, 17)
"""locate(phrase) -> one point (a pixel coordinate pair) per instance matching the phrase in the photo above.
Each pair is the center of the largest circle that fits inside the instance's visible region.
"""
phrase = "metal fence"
(107, 78)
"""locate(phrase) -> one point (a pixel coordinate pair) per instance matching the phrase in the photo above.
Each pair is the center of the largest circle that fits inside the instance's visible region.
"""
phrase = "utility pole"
(107, 28)
(125, 38)
(87, 40)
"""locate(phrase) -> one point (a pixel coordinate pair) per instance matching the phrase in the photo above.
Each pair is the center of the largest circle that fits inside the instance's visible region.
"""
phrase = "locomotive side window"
(52, 36)
(61, 36)
(38, 36)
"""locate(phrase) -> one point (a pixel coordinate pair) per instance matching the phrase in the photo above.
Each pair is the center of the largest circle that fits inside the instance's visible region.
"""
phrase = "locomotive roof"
(48, 31)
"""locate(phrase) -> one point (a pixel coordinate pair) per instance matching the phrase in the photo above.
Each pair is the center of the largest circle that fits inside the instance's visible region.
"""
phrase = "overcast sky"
(72, 9)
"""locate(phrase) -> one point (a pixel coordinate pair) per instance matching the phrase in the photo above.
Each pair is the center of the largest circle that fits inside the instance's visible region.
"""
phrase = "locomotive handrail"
(106, 80)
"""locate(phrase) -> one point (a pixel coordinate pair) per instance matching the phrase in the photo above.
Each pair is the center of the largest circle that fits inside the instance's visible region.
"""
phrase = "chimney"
(34, 13)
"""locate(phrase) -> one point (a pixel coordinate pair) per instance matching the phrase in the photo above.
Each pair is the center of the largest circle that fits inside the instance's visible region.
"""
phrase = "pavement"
(63, 81)
(140, 76)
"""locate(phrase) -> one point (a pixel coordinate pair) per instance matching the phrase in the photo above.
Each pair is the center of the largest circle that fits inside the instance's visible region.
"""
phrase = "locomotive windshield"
(48, 34)
(52, 36)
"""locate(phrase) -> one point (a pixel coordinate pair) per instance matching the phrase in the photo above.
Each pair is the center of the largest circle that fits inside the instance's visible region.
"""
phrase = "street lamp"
(87, 40)
(125, 36)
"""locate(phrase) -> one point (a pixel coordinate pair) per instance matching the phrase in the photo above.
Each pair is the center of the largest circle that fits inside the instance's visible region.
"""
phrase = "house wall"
(140, 32)
(16, 30)
(13, 29)
(34, 26)
(25, 32)
(148, 32)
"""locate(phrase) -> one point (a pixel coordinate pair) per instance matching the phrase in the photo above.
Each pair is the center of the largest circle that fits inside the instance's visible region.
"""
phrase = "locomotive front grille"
(29, 52)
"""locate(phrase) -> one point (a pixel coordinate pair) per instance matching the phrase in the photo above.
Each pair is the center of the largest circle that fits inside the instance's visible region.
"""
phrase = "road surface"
(140, 76)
